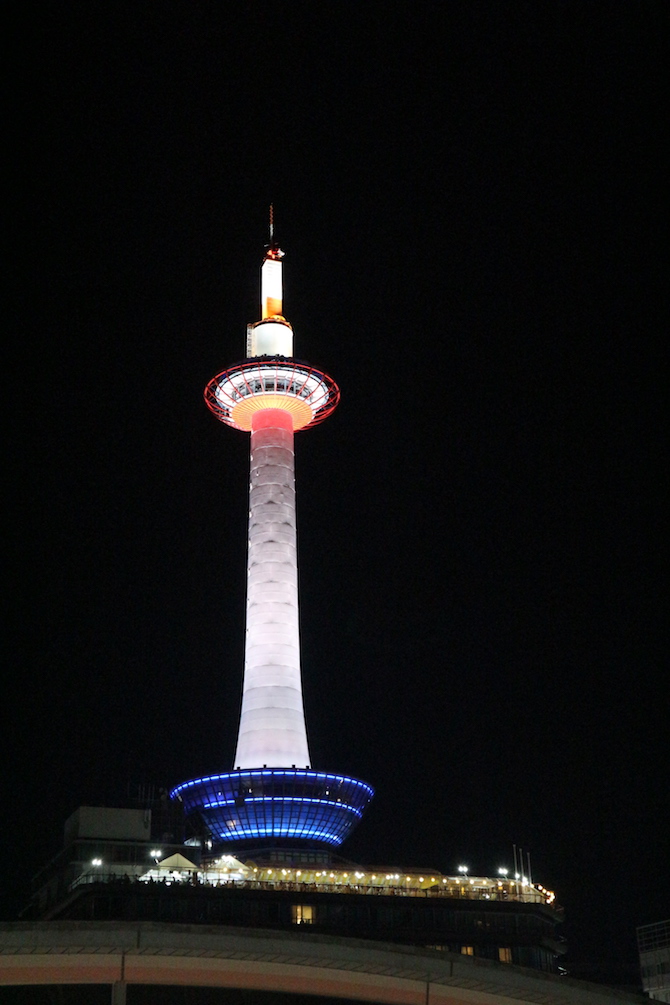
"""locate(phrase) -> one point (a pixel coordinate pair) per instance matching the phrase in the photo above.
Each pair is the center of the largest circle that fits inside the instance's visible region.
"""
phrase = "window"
(467, 950)
(505, 954)
(302, 914)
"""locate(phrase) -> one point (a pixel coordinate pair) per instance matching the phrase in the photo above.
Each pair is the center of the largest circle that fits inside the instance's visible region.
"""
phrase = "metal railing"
(527, 895)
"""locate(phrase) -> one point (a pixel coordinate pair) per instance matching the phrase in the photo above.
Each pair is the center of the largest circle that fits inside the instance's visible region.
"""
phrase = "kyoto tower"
(273, 796)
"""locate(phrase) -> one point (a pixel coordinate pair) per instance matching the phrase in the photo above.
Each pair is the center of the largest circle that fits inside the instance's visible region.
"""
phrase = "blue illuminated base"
(276, 805)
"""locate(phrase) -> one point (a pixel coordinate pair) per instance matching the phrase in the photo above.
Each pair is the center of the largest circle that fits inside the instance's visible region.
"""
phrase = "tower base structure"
(288, 806)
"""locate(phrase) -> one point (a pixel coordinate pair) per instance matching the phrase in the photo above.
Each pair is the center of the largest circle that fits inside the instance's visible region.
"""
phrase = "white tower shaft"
(272, 724)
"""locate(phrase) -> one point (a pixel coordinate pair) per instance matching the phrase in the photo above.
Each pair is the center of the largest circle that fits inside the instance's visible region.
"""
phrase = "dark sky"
(468, 197)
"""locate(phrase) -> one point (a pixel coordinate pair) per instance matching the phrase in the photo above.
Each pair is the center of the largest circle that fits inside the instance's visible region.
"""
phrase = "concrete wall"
(149, 953)
(106, 822)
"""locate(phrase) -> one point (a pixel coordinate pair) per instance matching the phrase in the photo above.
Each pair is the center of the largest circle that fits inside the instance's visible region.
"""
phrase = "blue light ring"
(283, 799)
(273, 773)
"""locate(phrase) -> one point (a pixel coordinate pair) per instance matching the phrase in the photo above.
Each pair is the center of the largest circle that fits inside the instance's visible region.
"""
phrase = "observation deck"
(307, 394)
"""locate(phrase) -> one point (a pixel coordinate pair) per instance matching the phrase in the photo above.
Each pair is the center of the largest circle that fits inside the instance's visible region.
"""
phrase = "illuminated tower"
(273, 795)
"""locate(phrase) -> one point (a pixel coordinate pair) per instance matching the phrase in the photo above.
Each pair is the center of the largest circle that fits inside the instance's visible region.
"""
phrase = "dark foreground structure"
(76, 962)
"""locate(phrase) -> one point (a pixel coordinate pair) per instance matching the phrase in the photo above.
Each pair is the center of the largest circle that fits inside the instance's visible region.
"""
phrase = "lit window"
(302, 914)
(467, 950)
(505, 954)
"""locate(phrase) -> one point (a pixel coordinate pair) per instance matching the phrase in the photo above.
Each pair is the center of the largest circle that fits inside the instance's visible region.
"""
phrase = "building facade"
(117, 865)
(653, 943)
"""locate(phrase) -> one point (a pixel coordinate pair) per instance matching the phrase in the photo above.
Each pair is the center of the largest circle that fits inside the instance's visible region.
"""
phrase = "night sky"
(468, 198)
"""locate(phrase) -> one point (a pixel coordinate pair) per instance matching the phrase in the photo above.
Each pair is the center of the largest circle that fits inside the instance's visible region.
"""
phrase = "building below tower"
(135, 865)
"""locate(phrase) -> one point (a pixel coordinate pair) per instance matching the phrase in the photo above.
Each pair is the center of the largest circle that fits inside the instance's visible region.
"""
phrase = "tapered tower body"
(273, 794)
(272, 723)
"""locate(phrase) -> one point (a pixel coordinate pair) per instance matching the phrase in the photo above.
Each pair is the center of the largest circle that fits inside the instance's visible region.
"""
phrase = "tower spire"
(273, 341)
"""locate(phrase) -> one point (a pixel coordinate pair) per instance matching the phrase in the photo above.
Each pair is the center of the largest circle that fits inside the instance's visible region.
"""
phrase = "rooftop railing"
(493, 891)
